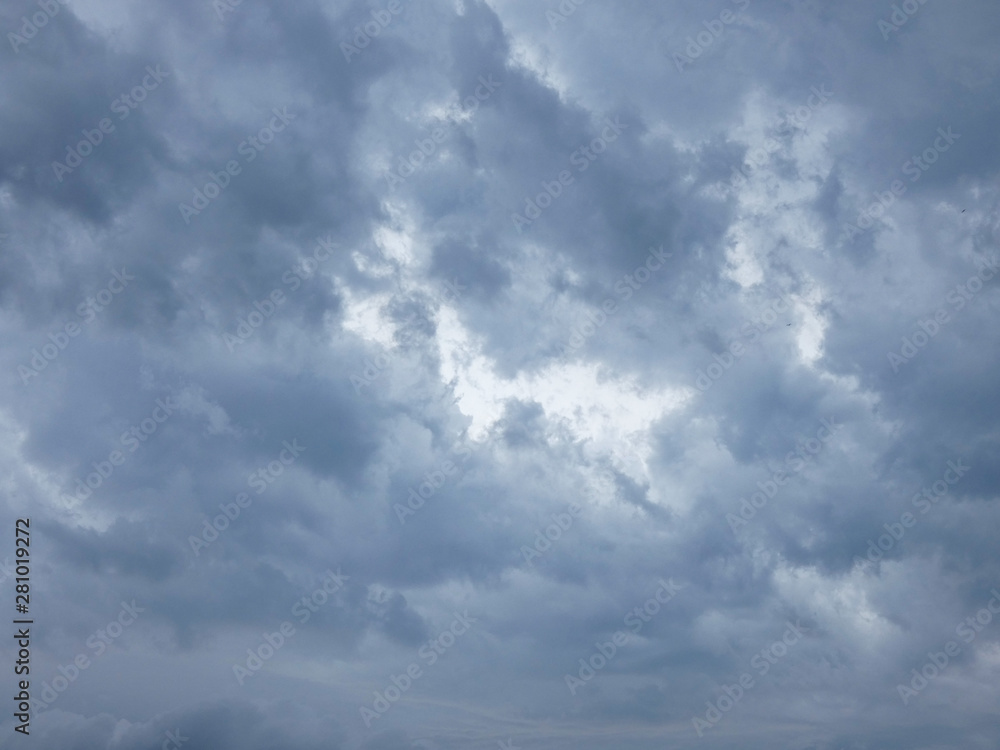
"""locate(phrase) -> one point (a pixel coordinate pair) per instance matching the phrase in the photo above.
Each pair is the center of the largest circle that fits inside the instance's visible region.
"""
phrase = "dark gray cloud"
(512, 314)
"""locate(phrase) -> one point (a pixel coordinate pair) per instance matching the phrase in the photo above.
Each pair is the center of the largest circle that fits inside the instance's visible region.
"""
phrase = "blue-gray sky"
(463, 374)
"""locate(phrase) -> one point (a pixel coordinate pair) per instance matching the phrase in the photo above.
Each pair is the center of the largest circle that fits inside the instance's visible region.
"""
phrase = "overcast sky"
(464, 374)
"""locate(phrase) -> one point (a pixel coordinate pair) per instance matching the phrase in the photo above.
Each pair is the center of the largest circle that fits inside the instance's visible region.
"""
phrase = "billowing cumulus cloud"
(519, 373)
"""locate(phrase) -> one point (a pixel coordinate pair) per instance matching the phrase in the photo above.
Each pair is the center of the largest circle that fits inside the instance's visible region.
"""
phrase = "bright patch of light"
(598, 405)
(811, 329)
(363, 316)
(743, 266)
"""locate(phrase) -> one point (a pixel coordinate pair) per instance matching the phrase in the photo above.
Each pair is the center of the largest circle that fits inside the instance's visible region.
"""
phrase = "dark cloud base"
(556, 302)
